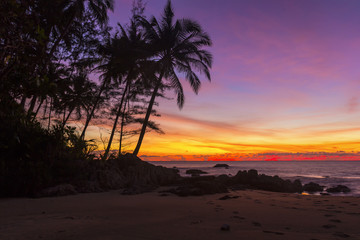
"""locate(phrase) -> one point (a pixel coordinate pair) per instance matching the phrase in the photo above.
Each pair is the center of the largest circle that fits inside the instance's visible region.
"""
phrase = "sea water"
(326, 173)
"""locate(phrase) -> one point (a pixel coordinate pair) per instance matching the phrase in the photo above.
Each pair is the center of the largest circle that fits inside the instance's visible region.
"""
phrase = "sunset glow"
(285, 83)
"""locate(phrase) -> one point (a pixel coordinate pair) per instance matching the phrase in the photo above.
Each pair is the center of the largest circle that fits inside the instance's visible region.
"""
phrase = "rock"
(223, 178)
(251, 179)
(338, 189)
(195, 172)
(225, 227)
(312, 187)
(253, 172)
(59, 190)
(221, 165)
(226, 197)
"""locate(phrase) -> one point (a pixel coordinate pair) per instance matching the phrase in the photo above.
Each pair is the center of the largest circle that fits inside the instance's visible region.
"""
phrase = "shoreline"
(251, 214)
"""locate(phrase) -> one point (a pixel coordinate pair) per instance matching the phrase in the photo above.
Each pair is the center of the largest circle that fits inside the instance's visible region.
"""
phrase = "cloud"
(353, 104)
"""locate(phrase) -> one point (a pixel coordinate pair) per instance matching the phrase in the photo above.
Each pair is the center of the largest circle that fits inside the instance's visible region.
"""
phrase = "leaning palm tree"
(123, 58)
(177, 47)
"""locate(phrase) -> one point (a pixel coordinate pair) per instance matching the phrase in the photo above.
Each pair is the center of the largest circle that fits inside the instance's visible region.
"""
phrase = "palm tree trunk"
(147, 116)
(50, 109)
(82, 136)
(116, 120)
(38, 108)
(67, 118)
(23, 101)
(122, 125)
(32, 105)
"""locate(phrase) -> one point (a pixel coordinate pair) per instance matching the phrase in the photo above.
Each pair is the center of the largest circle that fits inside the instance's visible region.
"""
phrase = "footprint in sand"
(277, 233)
(195, 222)
(256, 224)
(341, 234)
(328, 226)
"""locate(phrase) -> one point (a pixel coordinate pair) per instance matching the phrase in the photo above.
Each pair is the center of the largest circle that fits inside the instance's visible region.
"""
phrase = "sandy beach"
(110, 215)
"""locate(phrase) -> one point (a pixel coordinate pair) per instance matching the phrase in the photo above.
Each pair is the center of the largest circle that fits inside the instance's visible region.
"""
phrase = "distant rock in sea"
(221, 165)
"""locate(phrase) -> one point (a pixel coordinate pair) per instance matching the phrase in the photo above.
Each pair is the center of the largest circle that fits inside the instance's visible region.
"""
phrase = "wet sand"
(250, 215)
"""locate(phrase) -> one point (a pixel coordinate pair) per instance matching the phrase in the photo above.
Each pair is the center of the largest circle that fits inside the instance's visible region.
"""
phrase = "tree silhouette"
(177, 47)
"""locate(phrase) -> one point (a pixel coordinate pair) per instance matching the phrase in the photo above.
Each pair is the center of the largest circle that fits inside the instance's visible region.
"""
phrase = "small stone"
(225, 227)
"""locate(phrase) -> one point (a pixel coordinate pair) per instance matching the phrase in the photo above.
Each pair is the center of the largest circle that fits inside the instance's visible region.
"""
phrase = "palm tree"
(123, 58)
(74, 10)
(77, 97)
(177, 47)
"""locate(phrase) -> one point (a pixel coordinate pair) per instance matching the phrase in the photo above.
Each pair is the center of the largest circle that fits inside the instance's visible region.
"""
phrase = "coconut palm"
(177, 46)
(123, 57)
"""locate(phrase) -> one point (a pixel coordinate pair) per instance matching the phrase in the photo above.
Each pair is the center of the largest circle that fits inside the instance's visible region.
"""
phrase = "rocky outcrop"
(312, 187)
(338, 189)
(252, 179)
(125, 172)
(135, 176)
(195, 172)
(221, 165)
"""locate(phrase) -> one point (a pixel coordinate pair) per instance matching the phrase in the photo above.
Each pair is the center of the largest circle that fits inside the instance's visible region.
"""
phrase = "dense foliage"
(62, 66)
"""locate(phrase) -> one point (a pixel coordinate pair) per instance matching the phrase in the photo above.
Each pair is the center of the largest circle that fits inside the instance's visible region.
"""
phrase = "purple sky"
(286, 78)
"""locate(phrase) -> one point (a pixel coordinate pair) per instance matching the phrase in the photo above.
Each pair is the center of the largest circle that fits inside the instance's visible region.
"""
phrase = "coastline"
(252, 215)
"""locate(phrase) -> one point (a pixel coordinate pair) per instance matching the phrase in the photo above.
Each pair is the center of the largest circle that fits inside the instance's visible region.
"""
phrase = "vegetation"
(61, 63)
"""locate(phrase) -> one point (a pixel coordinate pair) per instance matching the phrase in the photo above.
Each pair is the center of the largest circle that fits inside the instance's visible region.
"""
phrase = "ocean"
(326, 173)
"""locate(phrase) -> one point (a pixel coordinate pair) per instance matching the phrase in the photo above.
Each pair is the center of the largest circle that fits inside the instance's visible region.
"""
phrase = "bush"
(32, 157)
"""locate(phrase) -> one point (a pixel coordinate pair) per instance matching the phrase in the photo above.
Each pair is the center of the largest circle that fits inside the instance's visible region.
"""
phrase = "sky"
(285, 83)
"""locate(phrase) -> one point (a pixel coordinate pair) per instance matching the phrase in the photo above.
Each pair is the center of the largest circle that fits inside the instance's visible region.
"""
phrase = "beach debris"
(339, 189)
(225, 227)
(221, 165)
(312, 187)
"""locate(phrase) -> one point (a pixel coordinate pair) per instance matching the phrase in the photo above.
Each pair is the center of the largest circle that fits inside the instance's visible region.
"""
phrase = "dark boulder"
(339, 189)
(223, 178)
(195, 172)
(312, 187)
(126, 171)
(225, 227)
(221, 165)
(251, 179)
